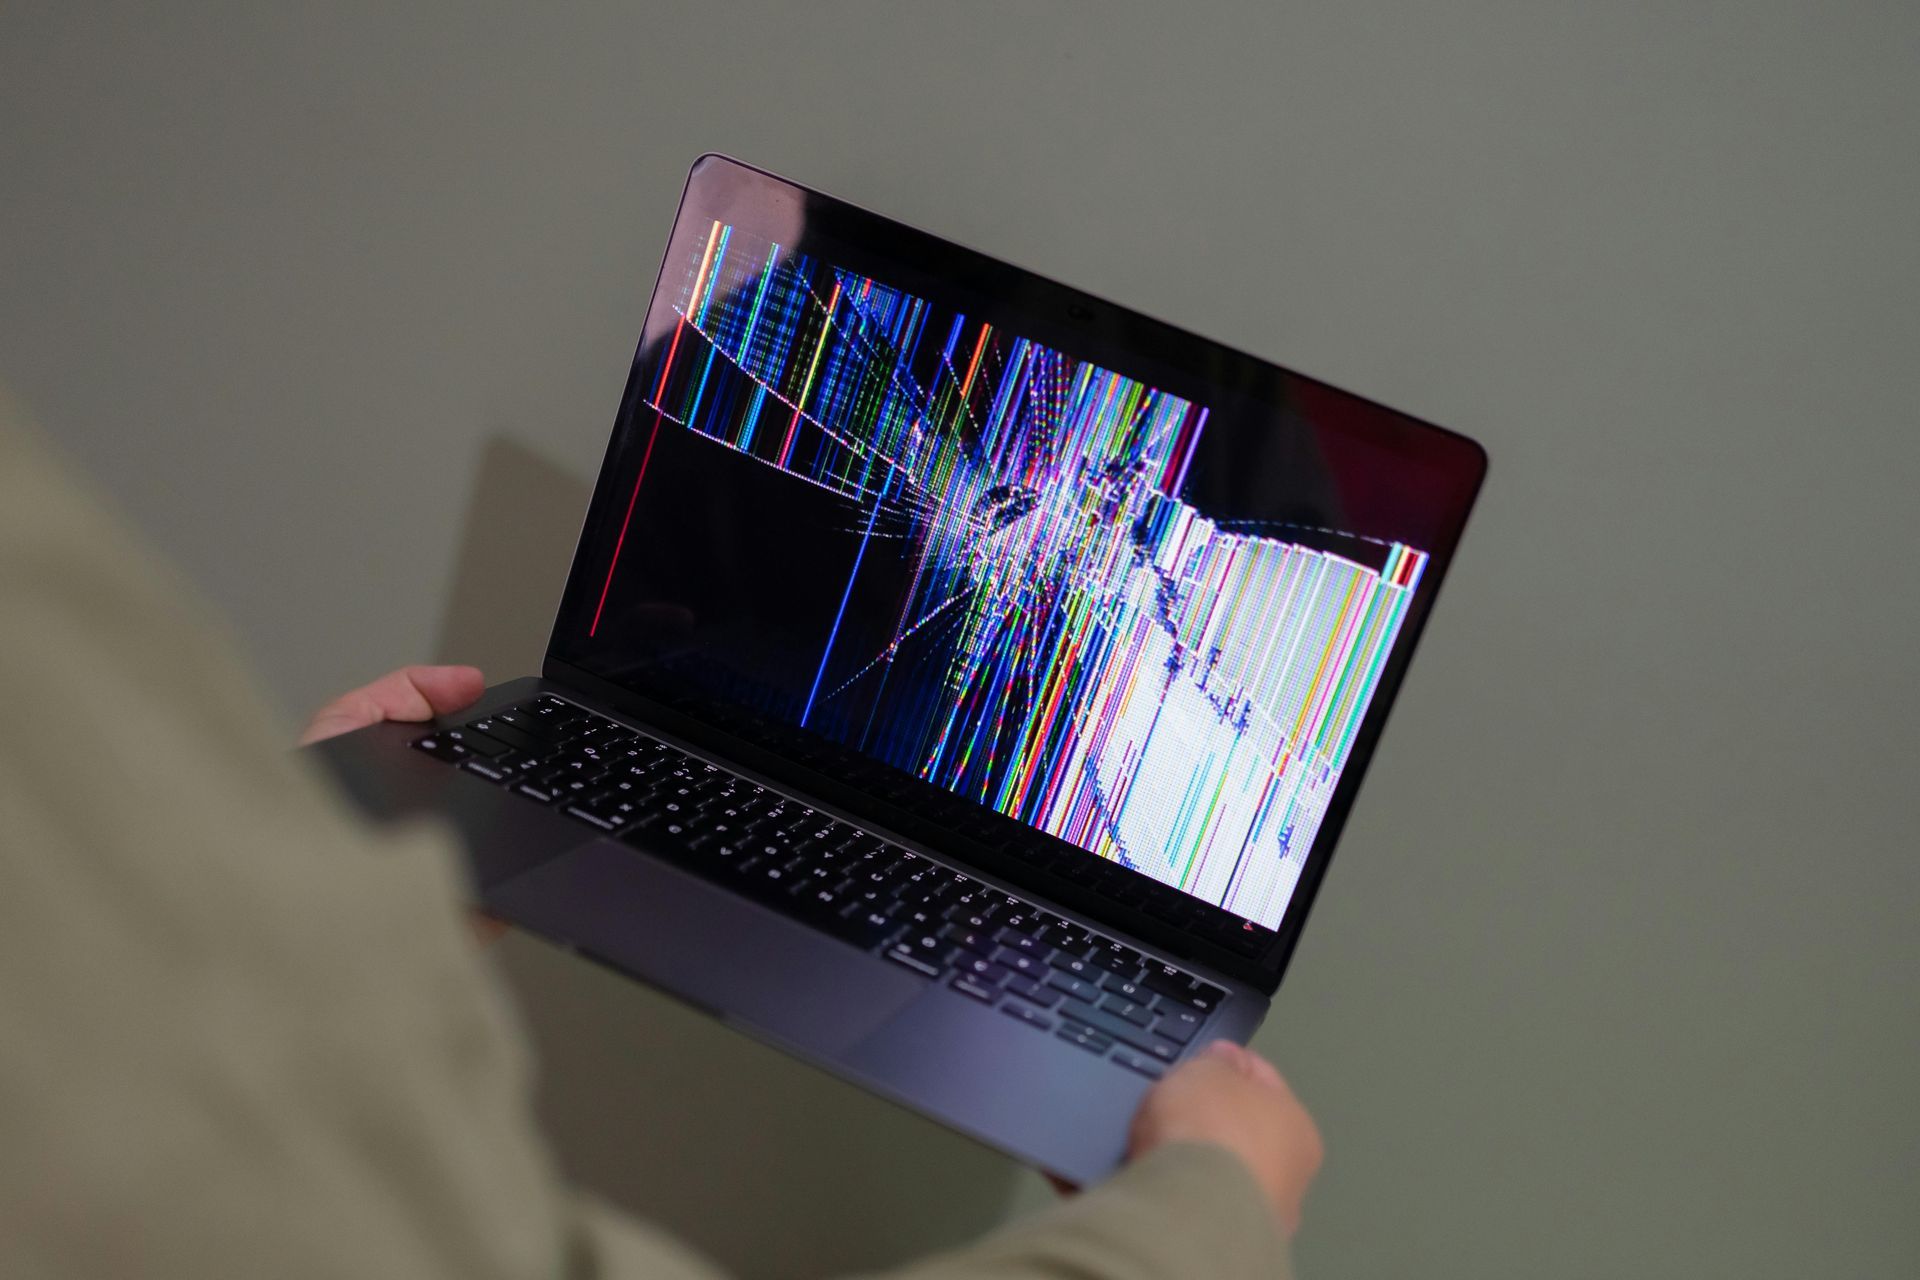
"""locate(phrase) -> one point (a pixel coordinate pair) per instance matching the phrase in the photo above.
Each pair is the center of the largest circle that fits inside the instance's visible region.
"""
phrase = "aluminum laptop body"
(960, 681)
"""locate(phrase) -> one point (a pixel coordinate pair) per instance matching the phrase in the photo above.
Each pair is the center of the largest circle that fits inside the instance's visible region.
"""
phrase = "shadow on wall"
(521, 524)
(769, 1166)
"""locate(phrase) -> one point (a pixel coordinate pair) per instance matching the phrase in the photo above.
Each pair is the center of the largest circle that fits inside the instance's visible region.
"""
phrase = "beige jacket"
(242, 1034)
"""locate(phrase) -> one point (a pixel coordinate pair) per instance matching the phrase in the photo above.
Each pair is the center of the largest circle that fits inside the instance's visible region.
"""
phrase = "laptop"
(961, 680)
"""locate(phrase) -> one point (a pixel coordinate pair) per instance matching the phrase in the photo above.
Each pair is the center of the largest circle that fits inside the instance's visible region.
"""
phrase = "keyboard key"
(978, 908)
(492, 727)
(975, 988)
(973, 940)
(1135, 1061)
(1179, 1025)
(640, 775)
(824, 831)
(984, 969)
(1081, 1038)
(915, 896)
(613, 802)
(1117, 957)
(1033, 992)
(526, 722)
(916, 918)
(1083, 1011)
(1124, 987)
(1067, 937)
(1120, 1006)
(442, 748)
(866, 893)
(1027, 1014)
(1025, 965)
(1183, 988)
(578, 785)
(970, 916)
(767, 874)
(814, 899)
(1024, 943)
(1078, 988)
(884, 877)
(476, 741)
(1067, 962)
(499, 769)
(1120, 1029)
(864, 929)
(1164, 1050)
(929, 948)
(905, 956)
(728, 857)
(1020, 919)
(593, 819)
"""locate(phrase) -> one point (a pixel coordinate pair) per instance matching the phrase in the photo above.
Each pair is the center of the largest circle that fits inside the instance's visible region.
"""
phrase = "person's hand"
(1234, 1098)
(409, 694)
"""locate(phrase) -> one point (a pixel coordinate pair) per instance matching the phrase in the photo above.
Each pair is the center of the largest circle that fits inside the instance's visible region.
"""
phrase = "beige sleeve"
(243, 1033)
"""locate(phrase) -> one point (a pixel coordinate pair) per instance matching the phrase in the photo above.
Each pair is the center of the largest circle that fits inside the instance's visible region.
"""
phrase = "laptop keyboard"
(1046, 972)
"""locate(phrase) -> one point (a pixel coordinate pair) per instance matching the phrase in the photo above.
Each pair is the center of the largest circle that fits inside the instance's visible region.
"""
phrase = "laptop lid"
(1080, 599)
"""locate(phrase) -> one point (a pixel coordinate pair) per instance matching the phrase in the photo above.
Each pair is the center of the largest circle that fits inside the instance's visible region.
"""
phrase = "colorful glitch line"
(1113, 666)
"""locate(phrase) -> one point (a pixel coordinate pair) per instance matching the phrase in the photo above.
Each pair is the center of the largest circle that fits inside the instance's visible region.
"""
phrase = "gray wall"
(1617, 971)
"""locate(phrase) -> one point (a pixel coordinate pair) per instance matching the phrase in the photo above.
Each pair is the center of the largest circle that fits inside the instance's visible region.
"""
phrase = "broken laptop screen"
(1042, 584)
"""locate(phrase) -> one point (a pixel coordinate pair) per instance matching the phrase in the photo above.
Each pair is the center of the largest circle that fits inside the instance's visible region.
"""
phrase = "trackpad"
(727, 955)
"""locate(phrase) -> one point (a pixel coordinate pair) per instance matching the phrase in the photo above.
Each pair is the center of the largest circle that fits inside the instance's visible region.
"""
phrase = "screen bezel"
(724, 189)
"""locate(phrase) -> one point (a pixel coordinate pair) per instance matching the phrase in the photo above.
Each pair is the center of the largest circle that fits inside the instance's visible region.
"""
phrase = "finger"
(1061, 1186)
(446, 689)
(344, 714)
(1263, 1070)
(410, 694)
(421, 692)
(1225, 1050)
(1239, 1057)
(487, 929)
